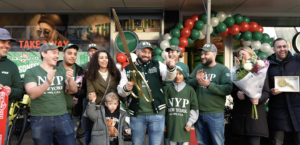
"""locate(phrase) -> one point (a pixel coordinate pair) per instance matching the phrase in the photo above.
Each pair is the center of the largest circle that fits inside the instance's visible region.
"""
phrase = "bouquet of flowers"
(249, 76)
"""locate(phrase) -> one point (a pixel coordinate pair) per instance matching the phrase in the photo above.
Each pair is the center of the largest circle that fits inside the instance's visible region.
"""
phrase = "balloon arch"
(186, 33)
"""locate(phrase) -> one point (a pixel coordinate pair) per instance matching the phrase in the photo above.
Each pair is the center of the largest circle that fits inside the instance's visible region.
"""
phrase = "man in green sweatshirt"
(9, 72)
(212, 83)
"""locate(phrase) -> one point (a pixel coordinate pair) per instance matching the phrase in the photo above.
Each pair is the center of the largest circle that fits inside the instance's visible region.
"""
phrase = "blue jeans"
(212, 124)
(45, 129)
(88, 136)
(155, 125)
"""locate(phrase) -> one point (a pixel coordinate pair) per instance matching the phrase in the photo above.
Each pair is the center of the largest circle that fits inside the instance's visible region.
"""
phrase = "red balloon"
(244, 26)
(189, 23)
(260, 29)
(182, 49)
(124, 64)
(183, 42)
(253, 26)
(185, 32)
(226, 33)
(235, 29)
(195, 18)
(121, 58)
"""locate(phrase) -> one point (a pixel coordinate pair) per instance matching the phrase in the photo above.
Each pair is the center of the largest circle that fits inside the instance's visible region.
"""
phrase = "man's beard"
(143, 61)
(208, 62)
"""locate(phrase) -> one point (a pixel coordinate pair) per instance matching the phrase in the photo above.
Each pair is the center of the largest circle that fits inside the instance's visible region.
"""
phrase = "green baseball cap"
(173, 47)
(180, 67)
(49, 46)
(70, 45)
(93, 45)
(144, 44)
(209, 48)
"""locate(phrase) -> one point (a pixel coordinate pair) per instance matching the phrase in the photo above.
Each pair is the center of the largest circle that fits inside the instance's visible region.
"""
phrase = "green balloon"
(174, 41)
(262, 55)
(237, 36)
(237, 47)
(257, 52)
(215, 32)
(158, 51)
(271, 42)
(256, 36)
(213, 13)
(199, 25)
(247, 35)
(175, 33)
(246, 19)
(190, 41)
(197, 57)
(179, 25)
(196, 63)
(203, 17)
(229, 21)
(195, 34)
(220, 58)
(238, 18)
(158, 58)
(265, 37)
(221, 27)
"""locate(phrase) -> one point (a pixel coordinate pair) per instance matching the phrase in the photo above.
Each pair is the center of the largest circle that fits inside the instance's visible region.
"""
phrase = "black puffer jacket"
(284, 107)
(242, 123)
(81, 93)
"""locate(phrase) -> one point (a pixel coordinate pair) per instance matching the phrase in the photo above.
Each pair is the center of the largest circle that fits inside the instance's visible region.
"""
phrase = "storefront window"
(141, 25)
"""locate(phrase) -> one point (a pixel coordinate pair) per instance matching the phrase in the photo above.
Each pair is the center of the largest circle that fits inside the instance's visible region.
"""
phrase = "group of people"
(63, 95)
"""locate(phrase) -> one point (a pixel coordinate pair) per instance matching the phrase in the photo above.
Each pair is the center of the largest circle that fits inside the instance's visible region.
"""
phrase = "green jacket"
(155, 74)
(10, 76)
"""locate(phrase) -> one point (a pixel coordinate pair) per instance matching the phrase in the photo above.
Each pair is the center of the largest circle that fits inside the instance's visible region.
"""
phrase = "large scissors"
(134, 74)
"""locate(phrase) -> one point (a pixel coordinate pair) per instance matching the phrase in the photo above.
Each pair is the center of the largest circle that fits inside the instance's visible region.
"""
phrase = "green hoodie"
(212, 99)
(10, 76)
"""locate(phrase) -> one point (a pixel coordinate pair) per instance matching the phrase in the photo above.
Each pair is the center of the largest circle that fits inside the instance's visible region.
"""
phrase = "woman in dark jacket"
(102, 77)
(249, 130)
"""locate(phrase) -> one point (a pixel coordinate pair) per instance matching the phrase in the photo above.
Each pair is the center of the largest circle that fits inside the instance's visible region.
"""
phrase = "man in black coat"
(284, 114)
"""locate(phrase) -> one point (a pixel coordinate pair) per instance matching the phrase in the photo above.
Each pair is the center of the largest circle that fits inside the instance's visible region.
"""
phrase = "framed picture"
(287, 83)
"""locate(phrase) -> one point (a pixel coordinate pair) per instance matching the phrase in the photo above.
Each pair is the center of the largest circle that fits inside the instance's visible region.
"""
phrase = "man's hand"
(188, 128)
(8, 89)
(68, 92)
(199, 75)
(275, 91)
(50, 76)
(254, 101)
(69, 74)
(128, 131)
(92, 97)
(204, 82)
(170, 62)
(129, 86)
(240, 95)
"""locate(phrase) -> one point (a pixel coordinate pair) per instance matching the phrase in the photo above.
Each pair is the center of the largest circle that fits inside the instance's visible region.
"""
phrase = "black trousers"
(250, 140)
(277, 137)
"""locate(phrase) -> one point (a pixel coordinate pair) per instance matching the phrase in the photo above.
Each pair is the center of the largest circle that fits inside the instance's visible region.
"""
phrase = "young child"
(109, 121)
(182, 109)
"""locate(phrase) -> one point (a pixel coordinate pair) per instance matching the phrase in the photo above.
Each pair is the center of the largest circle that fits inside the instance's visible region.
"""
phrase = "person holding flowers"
(249, 130)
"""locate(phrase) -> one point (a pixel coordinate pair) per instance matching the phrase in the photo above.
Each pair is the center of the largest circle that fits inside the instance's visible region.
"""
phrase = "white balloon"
(167, 36)
(246, 43)
(210, 30)
(255, 45)
(229, 14)
(163, 54)
(202, 36)
(221, 16)
(214, 21)
(270, 52)
(265, 47)
(119, 66)
(133, 56)
(164, 44)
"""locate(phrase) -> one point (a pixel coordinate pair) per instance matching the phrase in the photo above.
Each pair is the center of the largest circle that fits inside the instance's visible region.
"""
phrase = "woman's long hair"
(93, 67)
